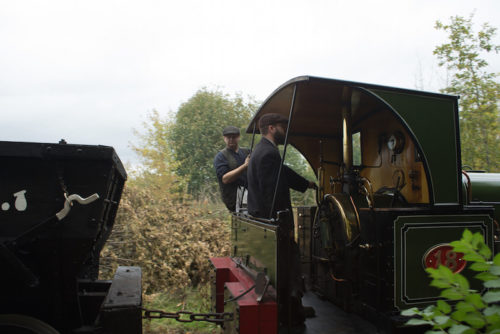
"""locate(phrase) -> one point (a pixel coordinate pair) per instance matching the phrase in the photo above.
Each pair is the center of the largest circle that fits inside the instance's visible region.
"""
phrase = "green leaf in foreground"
(495, 270)
(494, 331)
(415, 322)
(410, 312)
(474, 257)
(494, 309)
(475, 320)
(460, 329)
(464, 307)
(478, 266)
(443, 306)
(486, 276)
(451, 294)
(491, 297)
(475, 300)
(462, 282)
(441, 320)
(492, 284)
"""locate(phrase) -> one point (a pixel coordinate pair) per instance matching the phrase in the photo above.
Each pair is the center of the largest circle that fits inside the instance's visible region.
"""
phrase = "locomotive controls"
(396, 142)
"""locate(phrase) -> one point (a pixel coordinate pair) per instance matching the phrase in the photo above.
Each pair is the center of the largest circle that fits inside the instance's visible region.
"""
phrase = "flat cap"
(272, 119)
(230, 130)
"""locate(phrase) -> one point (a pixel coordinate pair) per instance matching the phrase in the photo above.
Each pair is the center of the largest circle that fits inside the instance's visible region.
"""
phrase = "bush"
(172, 241)
(469, 311)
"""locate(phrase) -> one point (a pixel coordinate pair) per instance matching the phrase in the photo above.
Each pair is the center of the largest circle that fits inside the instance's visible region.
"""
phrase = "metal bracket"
(261, 285)
(69, 203)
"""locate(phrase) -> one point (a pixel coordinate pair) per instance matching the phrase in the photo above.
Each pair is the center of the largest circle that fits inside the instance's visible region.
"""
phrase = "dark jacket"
(224, 165)
(262, 174)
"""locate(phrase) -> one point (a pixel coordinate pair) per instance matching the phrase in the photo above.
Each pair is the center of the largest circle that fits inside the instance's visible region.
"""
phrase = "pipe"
(285, 144)
(346, 129)
(253, 136)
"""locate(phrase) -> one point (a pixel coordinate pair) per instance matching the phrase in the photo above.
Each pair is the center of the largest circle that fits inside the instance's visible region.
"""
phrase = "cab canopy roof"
(315, 107)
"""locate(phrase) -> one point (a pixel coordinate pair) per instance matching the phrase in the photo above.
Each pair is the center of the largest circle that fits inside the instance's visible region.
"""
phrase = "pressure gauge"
(396, 142)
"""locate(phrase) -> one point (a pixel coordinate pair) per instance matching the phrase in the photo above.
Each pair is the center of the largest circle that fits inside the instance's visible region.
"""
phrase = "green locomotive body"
(392, 196)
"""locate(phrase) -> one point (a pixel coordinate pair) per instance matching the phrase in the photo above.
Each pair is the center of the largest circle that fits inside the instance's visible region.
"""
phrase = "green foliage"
(155, 152)
(468, 312)
(196, 135)
(177, 153)
(295, 160)
(479, 91)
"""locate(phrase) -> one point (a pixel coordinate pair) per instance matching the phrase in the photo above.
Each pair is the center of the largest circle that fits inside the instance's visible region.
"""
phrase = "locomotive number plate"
(443, 254)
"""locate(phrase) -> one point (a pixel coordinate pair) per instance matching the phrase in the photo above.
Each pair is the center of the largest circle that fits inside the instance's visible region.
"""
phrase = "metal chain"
(62, 184)
(186, 316)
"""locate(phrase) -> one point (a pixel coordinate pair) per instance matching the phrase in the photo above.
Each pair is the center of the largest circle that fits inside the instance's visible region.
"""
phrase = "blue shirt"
(221, 165)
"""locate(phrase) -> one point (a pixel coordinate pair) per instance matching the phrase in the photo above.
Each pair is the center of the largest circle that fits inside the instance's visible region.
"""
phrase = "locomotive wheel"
(23, 324)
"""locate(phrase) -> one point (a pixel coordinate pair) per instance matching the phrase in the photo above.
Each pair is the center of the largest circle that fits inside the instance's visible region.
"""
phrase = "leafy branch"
(463, 310)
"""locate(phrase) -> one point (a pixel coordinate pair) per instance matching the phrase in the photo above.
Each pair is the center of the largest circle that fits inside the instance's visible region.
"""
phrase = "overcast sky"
(90, 71)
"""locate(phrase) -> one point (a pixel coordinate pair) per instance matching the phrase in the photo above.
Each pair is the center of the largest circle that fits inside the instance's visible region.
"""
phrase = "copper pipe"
(346, 129)
(337, 279)
(368, 192)
(343, 215)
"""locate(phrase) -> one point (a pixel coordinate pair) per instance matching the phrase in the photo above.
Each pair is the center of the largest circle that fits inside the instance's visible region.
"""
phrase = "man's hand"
(233, 175)
(312, 185)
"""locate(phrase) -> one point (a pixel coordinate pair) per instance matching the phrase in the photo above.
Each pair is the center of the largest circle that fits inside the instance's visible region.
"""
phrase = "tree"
(154, 149)
(478, 90)
(196, 135)
(177, 152)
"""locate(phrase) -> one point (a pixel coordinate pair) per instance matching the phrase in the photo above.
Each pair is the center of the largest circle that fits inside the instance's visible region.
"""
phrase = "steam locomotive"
(392, 196)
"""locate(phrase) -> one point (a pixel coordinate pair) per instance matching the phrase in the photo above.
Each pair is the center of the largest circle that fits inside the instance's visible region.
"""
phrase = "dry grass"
(171, 241)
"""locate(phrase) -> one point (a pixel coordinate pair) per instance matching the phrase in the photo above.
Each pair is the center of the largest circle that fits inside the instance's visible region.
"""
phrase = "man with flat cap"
(231, 167)
(264, 167)
(262, 178)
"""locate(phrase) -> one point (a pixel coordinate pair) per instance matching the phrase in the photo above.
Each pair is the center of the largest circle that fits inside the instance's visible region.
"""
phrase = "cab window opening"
(295, 160)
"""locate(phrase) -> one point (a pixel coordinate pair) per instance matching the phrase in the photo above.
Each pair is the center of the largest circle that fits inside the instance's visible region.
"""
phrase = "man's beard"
(279, 138)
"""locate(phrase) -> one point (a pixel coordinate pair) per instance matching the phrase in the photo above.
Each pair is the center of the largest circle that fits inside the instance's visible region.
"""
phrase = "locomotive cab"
(390, 199)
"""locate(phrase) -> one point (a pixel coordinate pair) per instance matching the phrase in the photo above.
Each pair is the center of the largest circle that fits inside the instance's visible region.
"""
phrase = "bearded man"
(264, 167)
(262, 176)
